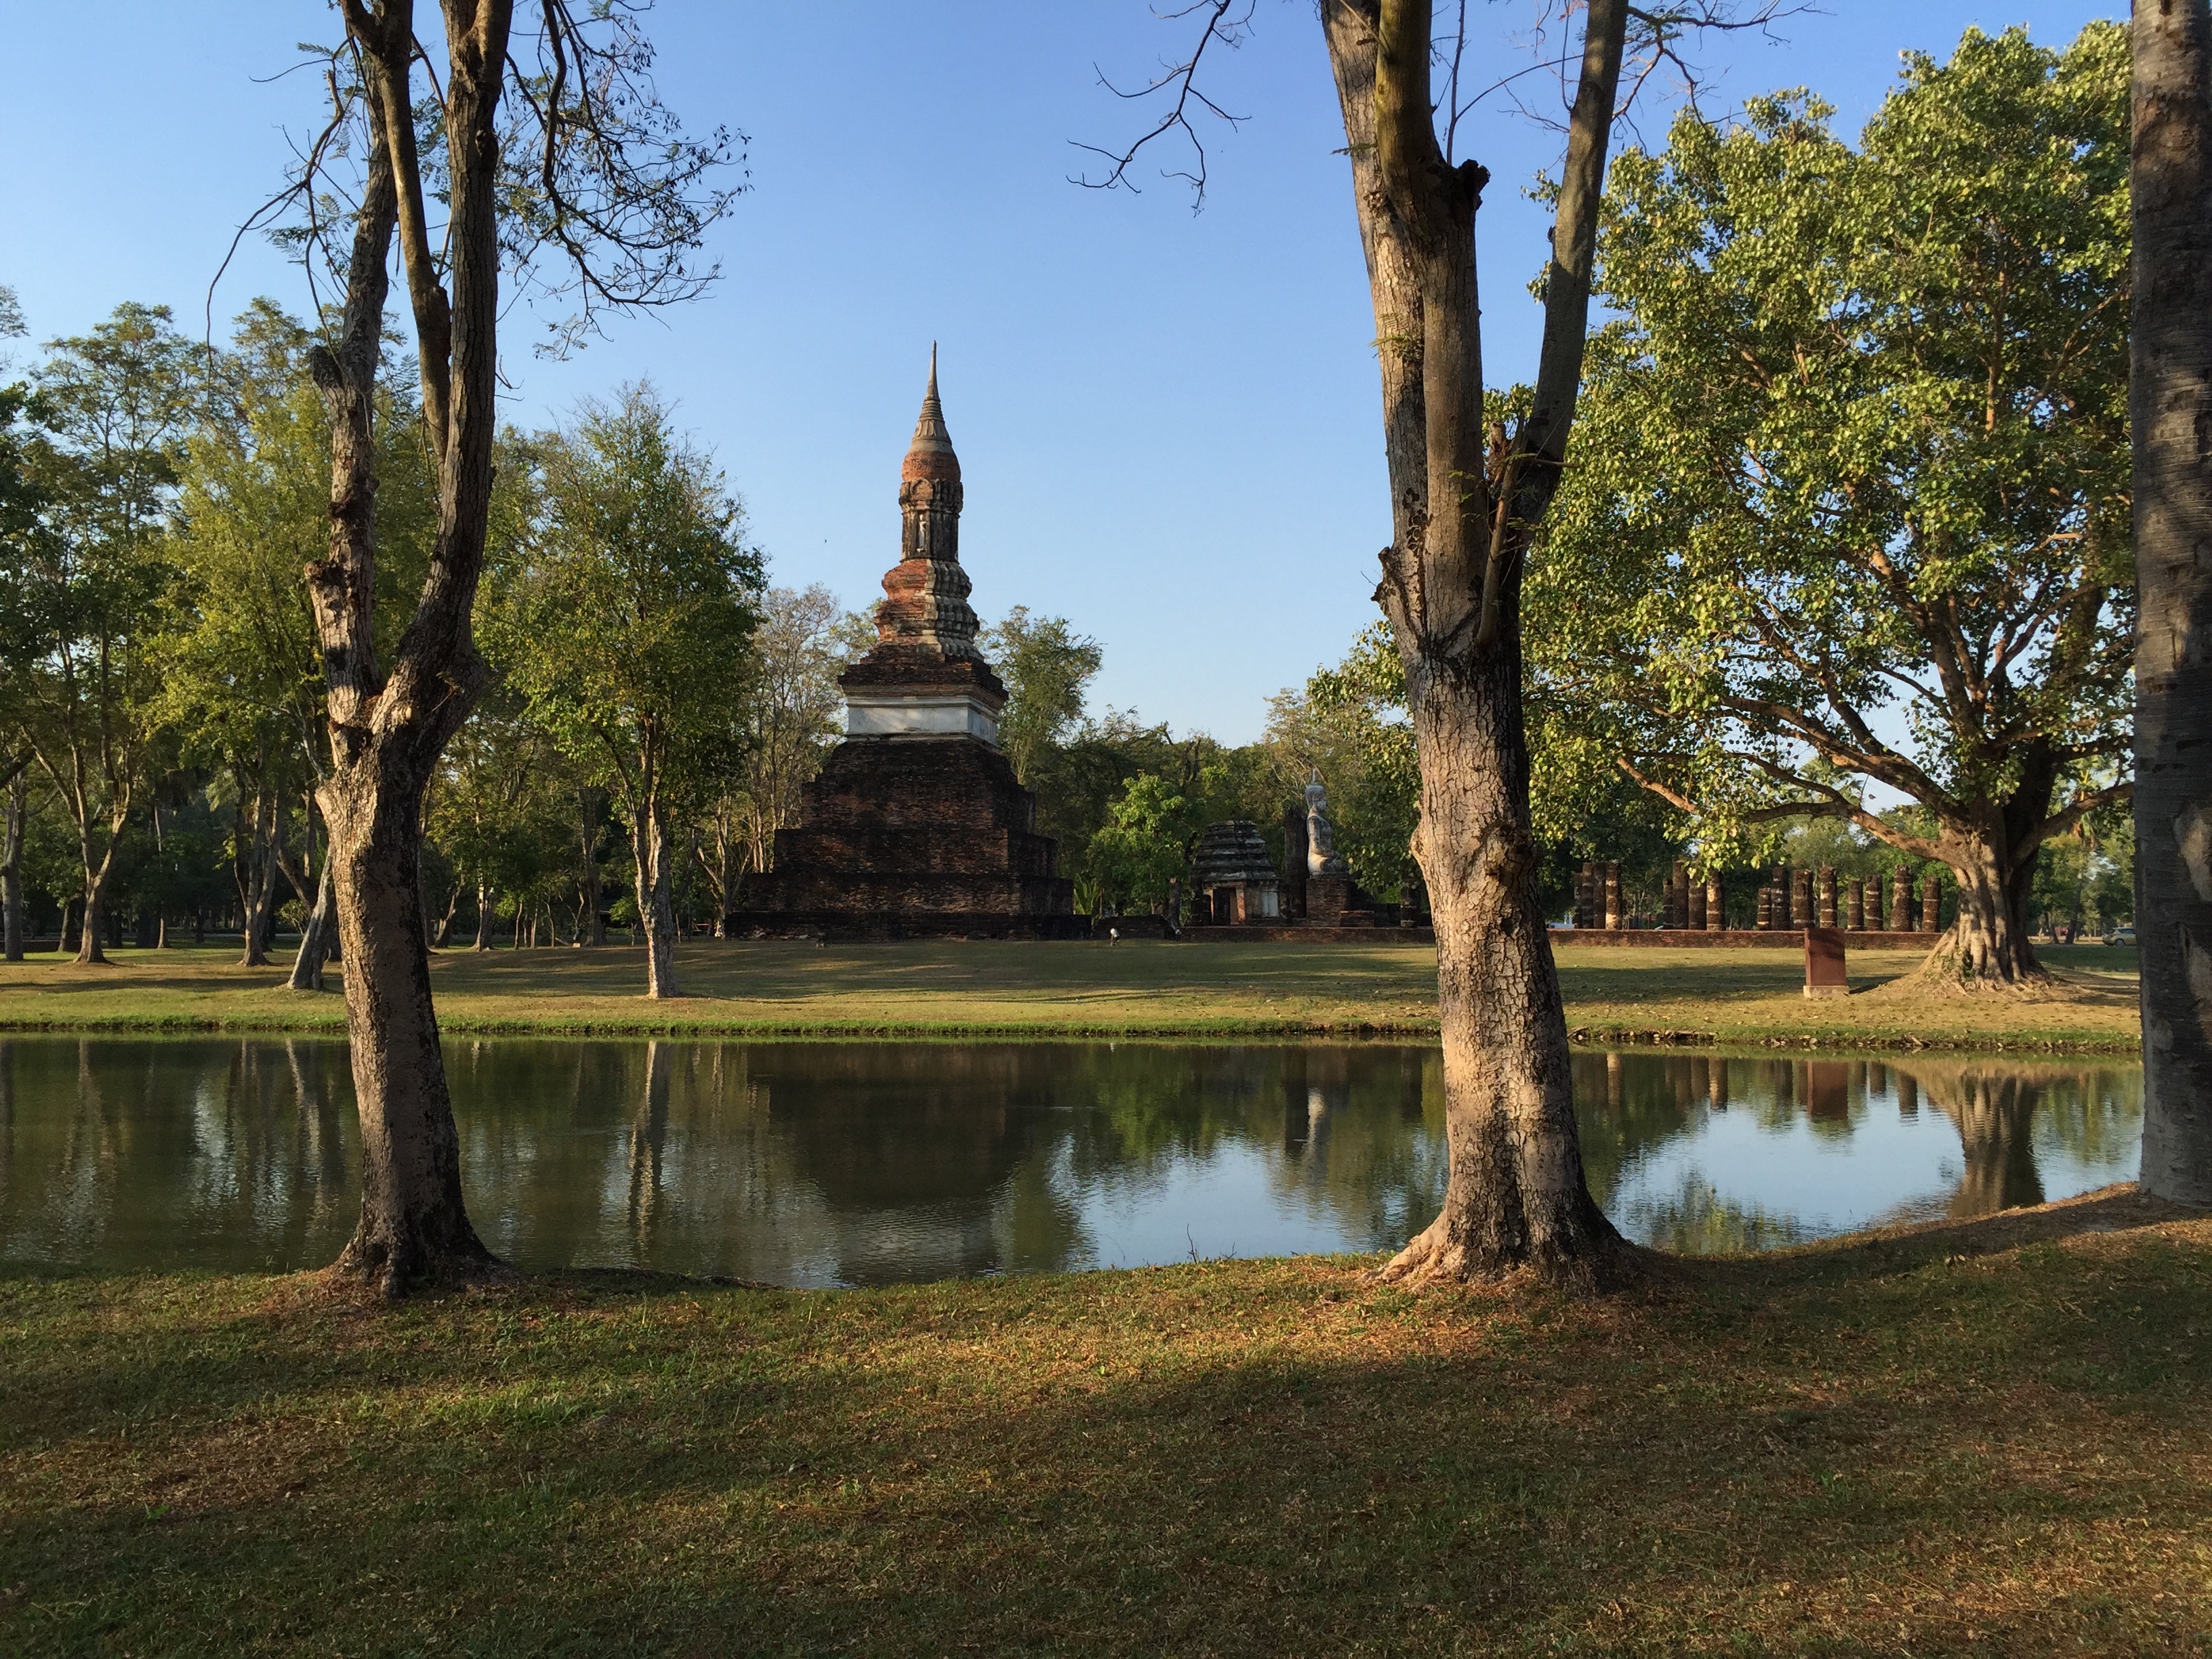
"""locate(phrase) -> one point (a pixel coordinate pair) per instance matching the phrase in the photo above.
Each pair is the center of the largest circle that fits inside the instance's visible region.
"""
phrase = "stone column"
(1294, 863)
(1765, 909)
(1613, 893)
(1695, 922)
(1855, 905)
(1825, 891)
(1778, 908)
(1715, 905)
(1586, 896)
(1900, 899)
(1801, 898)
(1930, 900)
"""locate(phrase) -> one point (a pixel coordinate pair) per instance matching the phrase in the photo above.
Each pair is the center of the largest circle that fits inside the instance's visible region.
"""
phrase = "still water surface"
(839, 1163)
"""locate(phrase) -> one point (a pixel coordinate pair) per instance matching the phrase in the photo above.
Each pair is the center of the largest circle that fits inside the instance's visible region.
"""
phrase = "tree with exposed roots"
(565, 157)
(1466, 496)
(1850, 504)
(2172, 408)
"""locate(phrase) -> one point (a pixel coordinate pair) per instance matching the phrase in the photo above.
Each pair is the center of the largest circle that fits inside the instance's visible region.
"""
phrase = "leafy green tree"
(625, 629)
(20, 501)
(92, 579)
(1046, 665)
(242, 680)
(1350, 725)
(1144, 845)
(1851, 498)
(791, 705)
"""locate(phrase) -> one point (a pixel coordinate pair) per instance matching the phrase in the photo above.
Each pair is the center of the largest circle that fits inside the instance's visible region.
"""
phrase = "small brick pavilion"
(917, 825)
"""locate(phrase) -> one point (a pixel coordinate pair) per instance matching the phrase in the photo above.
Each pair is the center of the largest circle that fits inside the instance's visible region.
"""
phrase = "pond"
(844, 1163)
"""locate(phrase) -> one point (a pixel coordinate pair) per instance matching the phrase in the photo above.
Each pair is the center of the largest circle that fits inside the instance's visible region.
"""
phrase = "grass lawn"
(1139, 987)
(1992, 1438)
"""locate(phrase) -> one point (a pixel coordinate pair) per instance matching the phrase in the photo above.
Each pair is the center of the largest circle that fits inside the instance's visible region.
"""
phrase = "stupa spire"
(924, 606)
(930, 455)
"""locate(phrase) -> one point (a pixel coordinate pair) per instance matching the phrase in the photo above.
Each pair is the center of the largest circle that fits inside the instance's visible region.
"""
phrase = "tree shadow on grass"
(1902, 1441)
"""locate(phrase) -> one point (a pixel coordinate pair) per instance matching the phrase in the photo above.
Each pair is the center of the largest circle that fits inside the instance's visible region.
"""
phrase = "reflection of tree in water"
(804, 1162)
(2005, 1114)
(1626, 1104)
(912, 1146)
(175, 1154)
(647, 1144)
(1694, 1220)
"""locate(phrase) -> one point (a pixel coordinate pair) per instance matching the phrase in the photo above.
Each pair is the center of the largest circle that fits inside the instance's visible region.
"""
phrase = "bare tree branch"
(1220, 25)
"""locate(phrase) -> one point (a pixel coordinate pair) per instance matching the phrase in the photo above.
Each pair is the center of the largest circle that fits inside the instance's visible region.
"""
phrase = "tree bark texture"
(1465, 500)
(387, 731)
(11, 863)
(2170, 410)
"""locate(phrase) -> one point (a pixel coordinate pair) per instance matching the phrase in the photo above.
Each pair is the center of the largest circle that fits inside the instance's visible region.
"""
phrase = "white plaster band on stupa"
(889, 713)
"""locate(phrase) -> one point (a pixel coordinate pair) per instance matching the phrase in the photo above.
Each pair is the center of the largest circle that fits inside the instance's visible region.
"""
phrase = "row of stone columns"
(1812, 898)
(1794, 898)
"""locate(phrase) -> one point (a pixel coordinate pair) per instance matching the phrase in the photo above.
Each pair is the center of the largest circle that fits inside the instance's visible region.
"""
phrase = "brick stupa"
(916, 824)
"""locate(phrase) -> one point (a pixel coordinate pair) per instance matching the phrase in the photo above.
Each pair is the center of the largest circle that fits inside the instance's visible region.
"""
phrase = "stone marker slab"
(1824, 964)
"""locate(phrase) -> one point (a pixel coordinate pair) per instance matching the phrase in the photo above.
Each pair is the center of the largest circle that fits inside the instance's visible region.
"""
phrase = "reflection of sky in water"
(828, 1164)
(1230, 1203)
(1763, 1172)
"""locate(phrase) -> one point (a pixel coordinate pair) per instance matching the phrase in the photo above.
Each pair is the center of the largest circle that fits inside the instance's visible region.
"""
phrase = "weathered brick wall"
(919, 835)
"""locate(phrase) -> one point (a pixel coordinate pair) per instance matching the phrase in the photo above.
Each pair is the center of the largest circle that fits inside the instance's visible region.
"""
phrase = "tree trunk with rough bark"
(11, 863)
(2170, 409)
(1466, 501)
(387, 731)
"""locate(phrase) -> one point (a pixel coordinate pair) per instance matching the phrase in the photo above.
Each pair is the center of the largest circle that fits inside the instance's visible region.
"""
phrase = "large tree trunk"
(1516, 1194)
(11, 863)
(1465, 503)
(656, 906)
(413, 1222)
(1987, 946)
(2170, 406)
(386, 731)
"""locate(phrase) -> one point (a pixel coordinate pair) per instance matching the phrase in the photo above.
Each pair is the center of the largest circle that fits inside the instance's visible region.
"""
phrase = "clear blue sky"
(1168, 422)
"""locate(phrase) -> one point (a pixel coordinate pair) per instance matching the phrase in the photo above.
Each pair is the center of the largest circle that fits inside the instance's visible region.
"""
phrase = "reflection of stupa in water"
(911, 1148)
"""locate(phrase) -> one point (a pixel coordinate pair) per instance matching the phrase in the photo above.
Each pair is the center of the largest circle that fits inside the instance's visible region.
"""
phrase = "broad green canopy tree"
(1144, 845)
(1851, 505)
(93, 578)
(628, 627)
(1046, 666)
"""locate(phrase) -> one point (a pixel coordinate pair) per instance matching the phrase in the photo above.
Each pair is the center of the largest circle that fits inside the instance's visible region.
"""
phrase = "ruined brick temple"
(916, 824)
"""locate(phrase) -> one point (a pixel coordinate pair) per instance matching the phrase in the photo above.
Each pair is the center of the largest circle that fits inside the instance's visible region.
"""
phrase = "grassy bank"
(1991, 1438)
(1138, 989)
